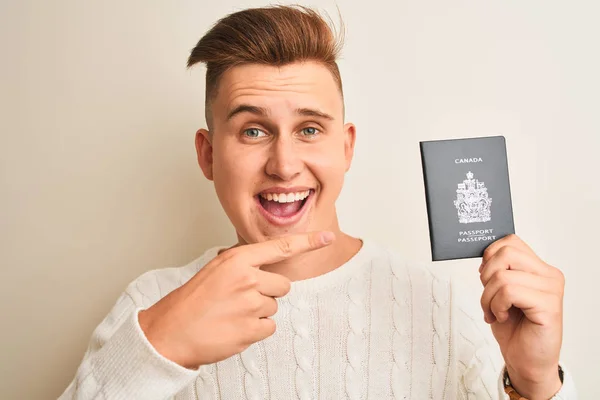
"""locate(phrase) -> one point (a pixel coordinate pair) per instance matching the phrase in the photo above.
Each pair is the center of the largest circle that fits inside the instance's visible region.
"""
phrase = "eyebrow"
(310, 112)
(242, 108)
(263, 112)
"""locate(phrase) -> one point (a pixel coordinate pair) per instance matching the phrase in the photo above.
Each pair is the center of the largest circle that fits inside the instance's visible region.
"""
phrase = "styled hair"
(274, 35)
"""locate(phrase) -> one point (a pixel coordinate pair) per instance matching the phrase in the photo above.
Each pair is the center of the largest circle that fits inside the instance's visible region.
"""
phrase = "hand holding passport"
(468, 195)
(469, 207)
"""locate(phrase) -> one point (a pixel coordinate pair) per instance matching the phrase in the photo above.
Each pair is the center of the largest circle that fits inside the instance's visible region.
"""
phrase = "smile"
(281, 207)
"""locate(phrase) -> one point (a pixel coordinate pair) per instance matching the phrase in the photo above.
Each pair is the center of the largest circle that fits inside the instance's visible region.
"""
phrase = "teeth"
(285, 197)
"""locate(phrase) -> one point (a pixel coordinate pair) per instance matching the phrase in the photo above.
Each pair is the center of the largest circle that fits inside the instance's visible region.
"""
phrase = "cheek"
(328, 165)
(235, 172)
(227, 181)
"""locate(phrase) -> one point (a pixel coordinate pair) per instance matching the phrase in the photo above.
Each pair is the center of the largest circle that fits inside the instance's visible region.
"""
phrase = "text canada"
(468, 160)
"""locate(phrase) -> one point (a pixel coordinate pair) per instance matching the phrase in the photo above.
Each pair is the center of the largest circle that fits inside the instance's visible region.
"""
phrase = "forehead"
(292, 86)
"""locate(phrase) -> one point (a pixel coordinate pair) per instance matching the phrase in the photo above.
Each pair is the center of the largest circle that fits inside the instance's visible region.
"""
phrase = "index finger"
(275, 250)
(508, 240)
(511, 258)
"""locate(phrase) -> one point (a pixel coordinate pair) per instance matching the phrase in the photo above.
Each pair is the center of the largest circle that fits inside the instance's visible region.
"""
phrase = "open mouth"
(284, 207)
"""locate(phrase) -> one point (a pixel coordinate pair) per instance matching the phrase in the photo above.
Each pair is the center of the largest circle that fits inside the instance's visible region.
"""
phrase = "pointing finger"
(275, 250)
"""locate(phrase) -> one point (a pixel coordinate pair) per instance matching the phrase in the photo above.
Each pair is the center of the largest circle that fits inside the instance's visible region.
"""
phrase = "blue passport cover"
(467, 191)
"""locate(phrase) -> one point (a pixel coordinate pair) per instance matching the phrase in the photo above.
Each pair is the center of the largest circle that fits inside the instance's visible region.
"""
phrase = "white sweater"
(373, 328)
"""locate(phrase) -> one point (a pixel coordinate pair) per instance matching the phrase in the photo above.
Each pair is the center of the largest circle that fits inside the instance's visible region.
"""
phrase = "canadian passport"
(468, 197)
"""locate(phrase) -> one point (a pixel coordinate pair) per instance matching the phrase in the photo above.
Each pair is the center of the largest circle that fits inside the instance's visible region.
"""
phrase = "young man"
(297, 308)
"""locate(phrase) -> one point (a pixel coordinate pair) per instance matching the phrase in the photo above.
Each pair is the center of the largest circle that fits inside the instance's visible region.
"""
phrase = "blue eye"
(254, 133)
(310, 131)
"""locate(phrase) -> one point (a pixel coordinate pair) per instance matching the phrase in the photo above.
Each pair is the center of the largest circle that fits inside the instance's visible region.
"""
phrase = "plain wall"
(99, 180)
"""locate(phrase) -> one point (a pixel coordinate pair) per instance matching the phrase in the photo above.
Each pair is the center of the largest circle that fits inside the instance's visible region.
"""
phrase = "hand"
(523, 301)
(226, 306)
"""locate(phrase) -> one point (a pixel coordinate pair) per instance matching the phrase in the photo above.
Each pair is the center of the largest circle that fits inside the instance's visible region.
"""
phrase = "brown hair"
(275, 35)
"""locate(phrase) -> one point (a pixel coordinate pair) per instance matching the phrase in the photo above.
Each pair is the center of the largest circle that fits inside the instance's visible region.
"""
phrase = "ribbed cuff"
(566, 392)
(129, 367)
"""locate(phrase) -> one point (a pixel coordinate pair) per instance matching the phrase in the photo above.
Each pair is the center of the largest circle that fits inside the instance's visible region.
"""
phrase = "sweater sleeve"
(120, 363)
(480, 363)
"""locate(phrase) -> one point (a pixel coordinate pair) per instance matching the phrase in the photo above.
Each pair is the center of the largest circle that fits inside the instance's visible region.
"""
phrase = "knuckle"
(560, 279)
(274, 308)
(286, 285)
(506, 292)
(555, 310)
(244, 336)
(314, 241)
(483, 301)
(229, 254)
(231, 258)
(253, 328)
(248, 303)
(248, 279)
(502, 277)
(505, 252)
(487, 253)
(270, 326)
(236, 257)
(258, 330)
(242, 346)
(284, 246)
(254, 303)
(513, 237)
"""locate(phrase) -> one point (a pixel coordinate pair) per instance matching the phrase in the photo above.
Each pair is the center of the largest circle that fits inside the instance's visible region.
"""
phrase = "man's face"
(278, 150)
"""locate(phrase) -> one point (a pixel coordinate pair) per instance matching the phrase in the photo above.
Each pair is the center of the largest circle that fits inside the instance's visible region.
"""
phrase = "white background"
(99, 181)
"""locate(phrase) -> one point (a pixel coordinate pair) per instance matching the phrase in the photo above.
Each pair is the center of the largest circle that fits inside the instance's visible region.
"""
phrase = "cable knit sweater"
(376, 328)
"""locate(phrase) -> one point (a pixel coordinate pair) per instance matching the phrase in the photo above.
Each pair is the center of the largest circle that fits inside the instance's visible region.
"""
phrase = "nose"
(284, 162)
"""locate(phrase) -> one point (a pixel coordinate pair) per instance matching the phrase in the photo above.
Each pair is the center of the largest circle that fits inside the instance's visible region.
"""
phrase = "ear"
(350, 139)
(204, 152)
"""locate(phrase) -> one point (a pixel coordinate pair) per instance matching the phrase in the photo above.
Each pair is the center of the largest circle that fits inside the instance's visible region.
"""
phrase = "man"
(297, 308)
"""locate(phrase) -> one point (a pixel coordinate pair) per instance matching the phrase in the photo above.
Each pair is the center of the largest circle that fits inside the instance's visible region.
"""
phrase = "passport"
(467, 190)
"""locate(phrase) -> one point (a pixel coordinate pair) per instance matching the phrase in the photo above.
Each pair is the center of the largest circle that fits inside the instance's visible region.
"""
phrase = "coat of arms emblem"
(472, 201)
